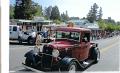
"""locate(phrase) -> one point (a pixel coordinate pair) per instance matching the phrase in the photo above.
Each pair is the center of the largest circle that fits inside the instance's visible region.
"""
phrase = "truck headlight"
(55, 53)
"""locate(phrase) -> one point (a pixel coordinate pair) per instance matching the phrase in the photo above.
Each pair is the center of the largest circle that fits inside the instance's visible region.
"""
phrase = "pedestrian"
(38, 40)
(45, 32)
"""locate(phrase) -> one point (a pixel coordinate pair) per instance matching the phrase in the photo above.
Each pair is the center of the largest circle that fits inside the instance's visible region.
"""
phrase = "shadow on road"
(78, 71)
(17, 43)
(25, 70)
(82, 70)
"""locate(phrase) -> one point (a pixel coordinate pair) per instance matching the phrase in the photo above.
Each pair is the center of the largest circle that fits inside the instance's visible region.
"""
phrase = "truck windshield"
(68, 35)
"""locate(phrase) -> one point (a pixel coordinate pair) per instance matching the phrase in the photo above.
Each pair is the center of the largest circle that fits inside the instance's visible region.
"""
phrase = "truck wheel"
(72, 67)
(28, 62)
(20, 40)
(96, 55)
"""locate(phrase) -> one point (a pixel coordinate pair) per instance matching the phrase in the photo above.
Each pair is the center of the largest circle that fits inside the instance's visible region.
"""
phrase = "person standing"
(38, 39)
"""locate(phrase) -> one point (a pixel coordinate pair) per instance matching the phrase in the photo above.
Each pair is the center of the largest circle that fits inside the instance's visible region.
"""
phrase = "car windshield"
(68, 35)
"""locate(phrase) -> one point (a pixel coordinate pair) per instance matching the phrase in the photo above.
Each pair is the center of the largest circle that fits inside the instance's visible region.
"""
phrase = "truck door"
(81, 50)
(85, 46)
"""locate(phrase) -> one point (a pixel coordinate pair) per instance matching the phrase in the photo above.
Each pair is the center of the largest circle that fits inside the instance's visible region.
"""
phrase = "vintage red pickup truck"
(70, 51)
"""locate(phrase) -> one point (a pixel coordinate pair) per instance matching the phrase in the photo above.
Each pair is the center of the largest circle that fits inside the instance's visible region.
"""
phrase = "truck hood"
(62, 44)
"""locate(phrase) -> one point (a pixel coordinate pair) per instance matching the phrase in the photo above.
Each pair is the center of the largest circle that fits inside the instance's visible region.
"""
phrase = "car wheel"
(20, 40)
(30, 41)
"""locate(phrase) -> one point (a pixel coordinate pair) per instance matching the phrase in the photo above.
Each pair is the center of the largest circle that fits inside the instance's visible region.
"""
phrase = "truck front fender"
(65, 62)
(30, 55)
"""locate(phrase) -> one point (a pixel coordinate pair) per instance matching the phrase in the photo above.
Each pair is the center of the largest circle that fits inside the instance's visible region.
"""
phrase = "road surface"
(109, 61)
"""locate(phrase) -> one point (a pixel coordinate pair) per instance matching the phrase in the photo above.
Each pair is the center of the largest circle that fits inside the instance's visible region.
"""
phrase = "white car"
(21, 36)
(29, 37)
(14, 32)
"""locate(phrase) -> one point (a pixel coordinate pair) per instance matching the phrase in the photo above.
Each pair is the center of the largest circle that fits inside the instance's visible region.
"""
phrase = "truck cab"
(14, 32)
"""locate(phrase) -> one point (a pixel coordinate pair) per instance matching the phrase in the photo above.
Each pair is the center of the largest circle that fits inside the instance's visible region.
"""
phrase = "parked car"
(14, 32)
(71, 50)
(29, 37)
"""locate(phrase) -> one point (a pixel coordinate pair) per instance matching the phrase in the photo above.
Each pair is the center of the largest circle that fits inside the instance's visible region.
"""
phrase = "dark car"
(70, 51)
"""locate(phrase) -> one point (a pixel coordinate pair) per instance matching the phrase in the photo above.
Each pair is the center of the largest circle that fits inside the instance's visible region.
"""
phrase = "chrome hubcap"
(98, 55)
(72, 69)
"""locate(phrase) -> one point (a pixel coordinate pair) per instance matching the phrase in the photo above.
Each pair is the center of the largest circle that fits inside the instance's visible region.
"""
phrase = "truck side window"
(14, 28)
(86, 37)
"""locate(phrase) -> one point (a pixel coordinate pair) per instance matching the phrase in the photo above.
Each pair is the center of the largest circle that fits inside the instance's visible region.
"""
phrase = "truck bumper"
(46, 63)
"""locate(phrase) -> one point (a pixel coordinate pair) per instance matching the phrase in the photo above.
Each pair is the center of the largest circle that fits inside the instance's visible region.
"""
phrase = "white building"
(85, 24)
(35, 24)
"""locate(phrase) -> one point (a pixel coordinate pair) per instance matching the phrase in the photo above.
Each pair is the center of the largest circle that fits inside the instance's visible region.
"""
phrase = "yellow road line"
(108, 47)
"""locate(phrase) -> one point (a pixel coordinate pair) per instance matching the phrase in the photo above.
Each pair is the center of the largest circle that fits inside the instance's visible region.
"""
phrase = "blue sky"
(80, 8)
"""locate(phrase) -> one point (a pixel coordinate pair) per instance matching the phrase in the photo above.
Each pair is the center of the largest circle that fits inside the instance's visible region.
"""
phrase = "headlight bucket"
(55, 53)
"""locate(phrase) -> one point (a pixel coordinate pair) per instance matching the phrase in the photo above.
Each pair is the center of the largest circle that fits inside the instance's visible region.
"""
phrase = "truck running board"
(87, 63)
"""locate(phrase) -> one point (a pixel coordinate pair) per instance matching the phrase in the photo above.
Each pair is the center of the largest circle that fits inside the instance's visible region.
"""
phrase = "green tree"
(11, 12)
(37, 9)
(102, 24)
(18, 9)
(64, 16)
(55, 14)
(92, 15)
(100, 14)
(110, 20)
(118, 23)
(107, 25)
(57, 21)
(47, 12)
(24, 9)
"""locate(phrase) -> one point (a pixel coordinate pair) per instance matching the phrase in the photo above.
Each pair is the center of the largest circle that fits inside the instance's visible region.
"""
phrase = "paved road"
(109, 61)
(110, 56)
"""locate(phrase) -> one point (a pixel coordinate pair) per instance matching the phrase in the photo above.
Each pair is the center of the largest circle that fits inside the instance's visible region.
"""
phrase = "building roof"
(35, 21)
(85, 24)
